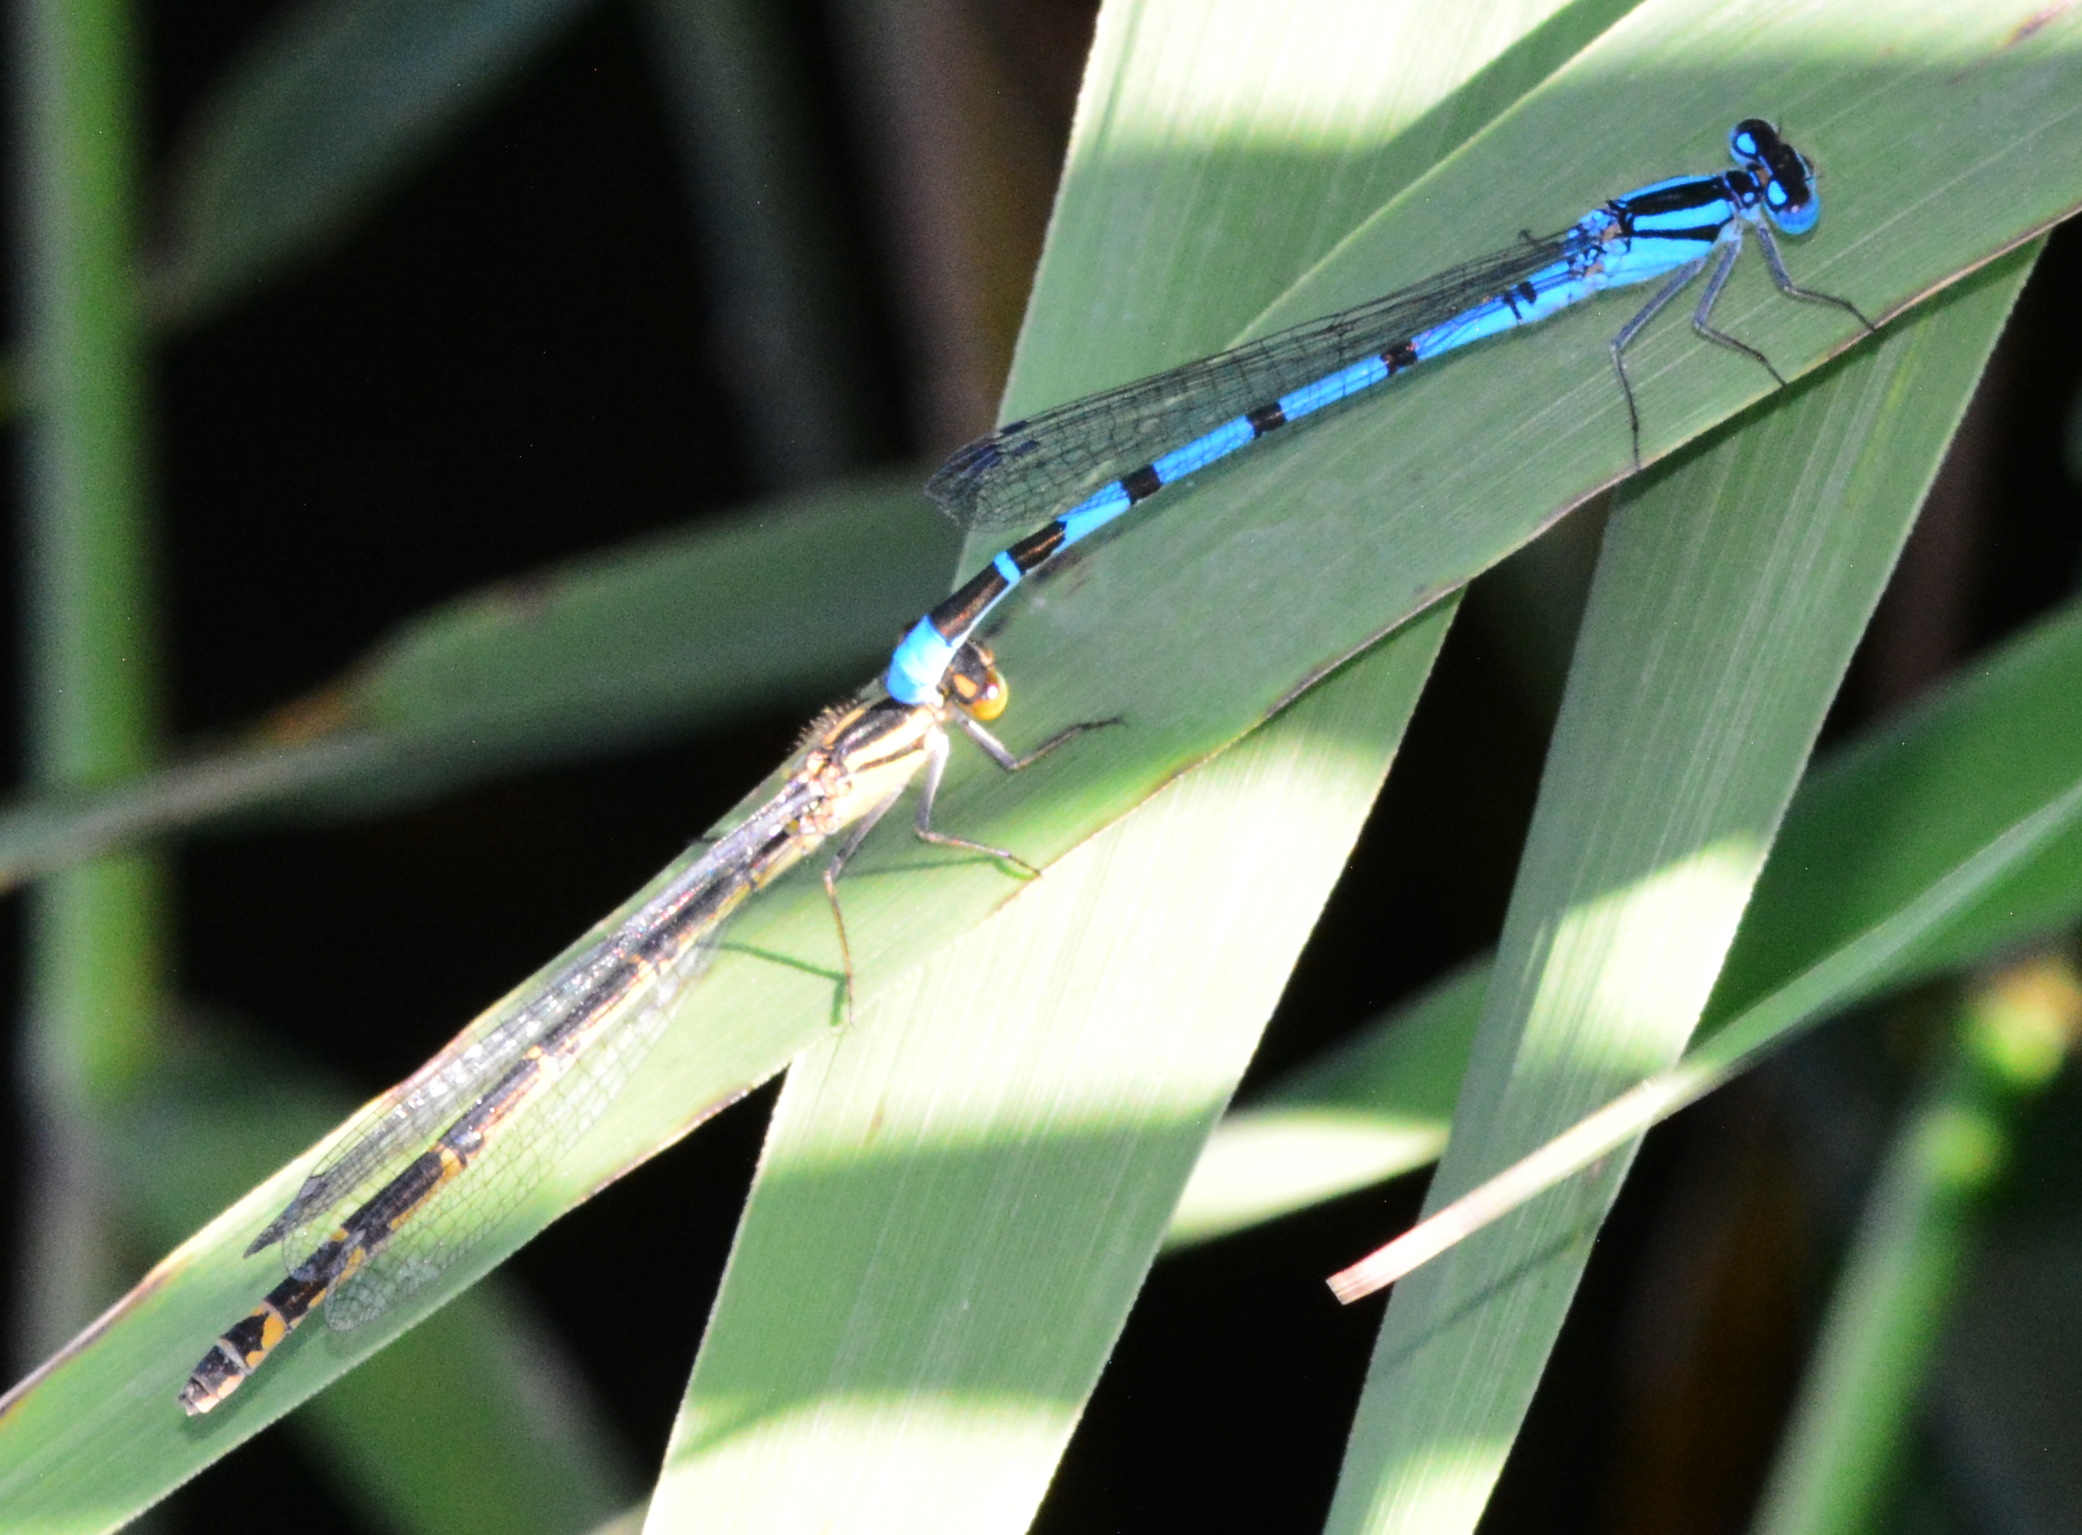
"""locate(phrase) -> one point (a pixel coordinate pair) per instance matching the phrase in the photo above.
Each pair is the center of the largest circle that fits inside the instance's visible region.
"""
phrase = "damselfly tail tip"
(195, 1400)
(215, 1377)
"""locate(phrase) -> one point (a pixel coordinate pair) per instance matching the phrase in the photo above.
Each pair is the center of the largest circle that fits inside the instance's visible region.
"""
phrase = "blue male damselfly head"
(1785, 177)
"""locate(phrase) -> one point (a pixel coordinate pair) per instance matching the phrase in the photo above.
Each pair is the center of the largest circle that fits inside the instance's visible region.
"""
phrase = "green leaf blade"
(325, 109)
(1729, 599)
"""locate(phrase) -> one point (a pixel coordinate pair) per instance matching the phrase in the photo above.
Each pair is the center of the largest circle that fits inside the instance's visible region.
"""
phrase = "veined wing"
(611, 1004)
(1033, 469)
(401, 1121)
(579, 1000)
(500, 1148)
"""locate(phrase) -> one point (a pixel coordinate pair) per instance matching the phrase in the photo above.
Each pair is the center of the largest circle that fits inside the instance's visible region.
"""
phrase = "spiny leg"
(935, 766)
(848, 846)
(929, 791)
(1702, 317)
(1678, 281)
(1791, 289)
(996, 750)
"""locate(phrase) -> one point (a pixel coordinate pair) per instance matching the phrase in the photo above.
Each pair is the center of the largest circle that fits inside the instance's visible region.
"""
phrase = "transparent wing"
(386, 1138)
(396, 1126)
(1030, 470)
(419, 1206)
(549, 1103)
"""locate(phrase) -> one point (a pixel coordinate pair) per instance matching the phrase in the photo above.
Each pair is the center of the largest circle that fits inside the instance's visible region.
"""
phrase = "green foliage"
(1730, 595)
(962, 1193)
(338, 99)
(1381, 1104)
(1846, 1440)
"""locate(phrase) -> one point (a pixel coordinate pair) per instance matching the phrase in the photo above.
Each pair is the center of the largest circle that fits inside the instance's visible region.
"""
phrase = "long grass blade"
(1198, 623)
(1848, 1440)
(965, 1196)
(1808, 999)
(1870, 832)
(596, 656)
(1730, 595)
(334, 101)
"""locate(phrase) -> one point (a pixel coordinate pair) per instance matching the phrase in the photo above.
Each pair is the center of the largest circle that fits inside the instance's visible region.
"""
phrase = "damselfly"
(508, 1096)
(1111, 451)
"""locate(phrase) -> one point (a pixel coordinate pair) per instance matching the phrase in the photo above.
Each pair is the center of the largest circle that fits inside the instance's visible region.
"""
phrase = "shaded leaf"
(317, 118)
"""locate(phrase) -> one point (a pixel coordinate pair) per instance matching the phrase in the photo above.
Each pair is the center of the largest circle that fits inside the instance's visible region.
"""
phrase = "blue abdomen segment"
(1341, 385)
(1578, 275)
(920, 662)
(1204, 450)
(1117, 496)
(1094, 512)
(1543, 294)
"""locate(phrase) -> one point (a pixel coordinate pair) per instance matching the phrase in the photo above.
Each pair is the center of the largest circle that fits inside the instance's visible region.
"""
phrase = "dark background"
(512, 360)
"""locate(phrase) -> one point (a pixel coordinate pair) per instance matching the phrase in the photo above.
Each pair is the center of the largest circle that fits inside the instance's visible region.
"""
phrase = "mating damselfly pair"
(427, 1169)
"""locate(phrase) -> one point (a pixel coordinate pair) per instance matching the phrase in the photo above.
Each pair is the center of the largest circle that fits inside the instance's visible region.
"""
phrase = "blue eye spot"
(1798, 218)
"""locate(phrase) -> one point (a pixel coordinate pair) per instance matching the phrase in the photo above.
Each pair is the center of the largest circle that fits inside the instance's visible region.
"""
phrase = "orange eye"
(988, 703)
(975, 685)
